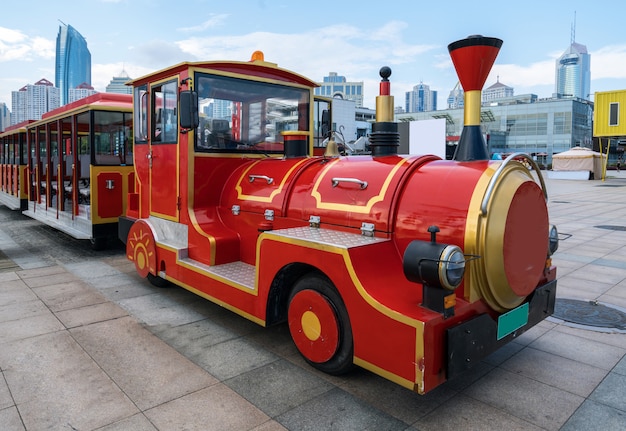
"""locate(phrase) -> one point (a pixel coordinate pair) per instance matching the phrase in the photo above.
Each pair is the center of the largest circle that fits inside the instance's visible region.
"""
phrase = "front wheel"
(319, 325)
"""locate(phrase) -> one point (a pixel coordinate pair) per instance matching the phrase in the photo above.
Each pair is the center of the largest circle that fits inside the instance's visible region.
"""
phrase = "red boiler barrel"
(501, 218)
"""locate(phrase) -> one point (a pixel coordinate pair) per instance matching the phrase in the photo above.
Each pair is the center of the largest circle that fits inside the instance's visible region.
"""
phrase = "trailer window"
(111, 131)
(238, 115)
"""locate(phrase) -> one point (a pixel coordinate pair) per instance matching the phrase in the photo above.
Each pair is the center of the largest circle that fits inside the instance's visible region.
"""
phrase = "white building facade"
(33, 100)
(337, 86)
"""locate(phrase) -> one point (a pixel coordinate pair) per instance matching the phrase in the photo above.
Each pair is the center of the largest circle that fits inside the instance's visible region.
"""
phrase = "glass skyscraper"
(73, 61)
(573, 73)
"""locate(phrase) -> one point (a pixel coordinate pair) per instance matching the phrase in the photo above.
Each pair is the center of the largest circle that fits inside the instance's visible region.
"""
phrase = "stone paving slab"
(22, 309)
(586, 351)
(216, 408)
(28, 327)
(278, 387)
(556, 371)
(144, 367)
(56, 385)
(338, 410)
(525, 398)
(86, 315)
(10, 419)
(466, 413)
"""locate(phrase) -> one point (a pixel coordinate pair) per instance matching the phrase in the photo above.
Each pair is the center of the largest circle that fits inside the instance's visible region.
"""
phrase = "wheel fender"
(141, 248)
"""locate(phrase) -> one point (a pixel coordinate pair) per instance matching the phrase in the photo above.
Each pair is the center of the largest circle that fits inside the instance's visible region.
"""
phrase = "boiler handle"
(336, 181)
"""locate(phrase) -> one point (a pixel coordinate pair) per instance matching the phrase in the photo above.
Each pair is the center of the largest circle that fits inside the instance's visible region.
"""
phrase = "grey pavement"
(85, 344)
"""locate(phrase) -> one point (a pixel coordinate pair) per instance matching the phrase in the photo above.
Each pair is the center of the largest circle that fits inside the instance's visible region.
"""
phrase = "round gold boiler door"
(511, 240)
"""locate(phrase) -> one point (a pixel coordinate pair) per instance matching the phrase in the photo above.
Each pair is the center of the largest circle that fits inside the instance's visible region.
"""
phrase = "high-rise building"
(496, 91)
(32, 101)
(337, 86)
(80, 92)
(573, 73)
(5, 116)
(118, 84)
(73, 61)
(220, 109)
(421, 99)
(456, 99)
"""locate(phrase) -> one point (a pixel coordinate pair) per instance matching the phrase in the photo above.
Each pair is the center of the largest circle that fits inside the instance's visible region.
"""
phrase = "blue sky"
(352, 38)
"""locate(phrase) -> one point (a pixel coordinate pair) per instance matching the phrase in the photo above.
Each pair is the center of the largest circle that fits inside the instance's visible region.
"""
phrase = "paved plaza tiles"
(85, 344)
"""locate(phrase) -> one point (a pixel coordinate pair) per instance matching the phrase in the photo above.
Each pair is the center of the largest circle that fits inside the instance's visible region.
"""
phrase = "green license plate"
(512, 321)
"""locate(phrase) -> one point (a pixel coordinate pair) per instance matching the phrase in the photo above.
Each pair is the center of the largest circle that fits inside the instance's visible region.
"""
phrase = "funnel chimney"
(473, 58)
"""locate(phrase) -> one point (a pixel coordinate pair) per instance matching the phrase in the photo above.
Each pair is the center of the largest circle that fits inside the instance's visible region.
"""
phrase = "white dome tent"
(578, 163)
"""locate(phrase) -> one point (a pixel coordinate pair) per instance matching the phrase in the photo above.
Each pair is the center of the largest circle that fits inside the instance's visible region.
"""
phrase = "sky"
(353, 38)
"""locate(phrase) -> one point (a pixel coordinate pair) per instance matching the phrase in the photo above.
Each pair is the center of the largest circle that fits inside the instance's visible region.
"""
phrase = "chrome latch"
(236, 209)
(269, 215)
(314, 221)
(367, 229)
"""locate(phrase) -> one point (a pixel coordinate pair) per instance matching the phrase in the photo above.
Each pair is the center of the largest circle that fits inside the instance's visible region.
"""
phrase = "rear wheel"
(158, 281)
(319, 325)
(98, 243)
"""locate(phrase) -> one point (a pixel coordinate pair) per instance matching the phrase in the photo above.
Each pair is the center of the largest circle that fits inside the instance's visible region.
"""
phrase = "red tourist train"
(76, 166)
(411, 266)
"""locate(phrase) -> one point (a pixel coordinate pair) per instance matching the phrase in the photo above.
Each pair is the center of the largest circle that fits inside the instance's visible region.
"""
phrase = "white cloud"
(538, 73)
(354, 50)
(11, 36)
(214, 20)
(14, 45)
(609, 62)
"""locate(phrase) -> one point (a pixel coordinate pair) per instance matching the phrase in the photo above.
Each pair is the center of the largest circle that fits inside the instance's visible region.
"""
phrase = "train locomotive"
(409, 266)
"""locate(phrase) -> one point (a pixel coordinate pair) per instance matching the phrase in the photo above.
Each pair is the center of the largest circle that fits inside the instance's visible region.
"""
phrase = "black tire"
(158, 281)
(98, 243)
(341, 361)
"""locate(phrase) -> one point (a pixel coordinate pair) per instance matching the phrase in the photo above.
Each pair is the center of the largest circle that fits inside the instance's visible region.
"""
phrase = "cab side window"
(164, 115)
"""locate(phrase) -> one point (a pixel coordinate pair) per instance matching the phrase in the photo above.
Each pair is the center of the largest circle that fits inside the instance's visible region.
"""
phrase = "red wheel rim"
(313, 325)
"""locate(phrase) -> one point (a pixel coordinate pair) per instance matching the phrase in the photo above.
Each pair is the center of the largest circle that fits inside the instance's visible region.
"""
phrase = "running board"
(78, 227)
(239, 274)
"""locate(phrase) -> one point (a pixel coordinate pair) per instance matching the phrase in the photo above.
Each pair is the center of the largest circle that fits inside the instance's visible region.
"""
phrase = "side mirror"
(189, 117)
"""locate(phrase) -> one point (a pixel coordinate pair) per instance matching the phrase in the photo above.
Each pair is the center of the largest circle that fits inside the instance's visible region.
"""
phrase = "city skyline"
(345, 38)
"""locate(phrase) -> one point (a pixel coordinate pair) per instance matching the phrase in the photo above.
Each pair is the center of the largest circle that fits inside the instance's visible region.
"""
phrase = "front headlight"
(554, 240)
(435, 265)
(451, 267)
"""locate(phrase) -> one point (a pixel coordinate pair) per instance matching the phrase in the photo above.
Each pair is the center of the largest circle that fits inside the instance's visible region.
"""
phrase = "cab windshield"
(247, 116)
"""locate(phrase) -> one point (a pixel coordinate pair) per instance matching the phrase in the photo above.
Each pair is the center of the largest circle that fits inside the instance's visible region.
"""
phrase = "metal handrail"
(494, 179)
